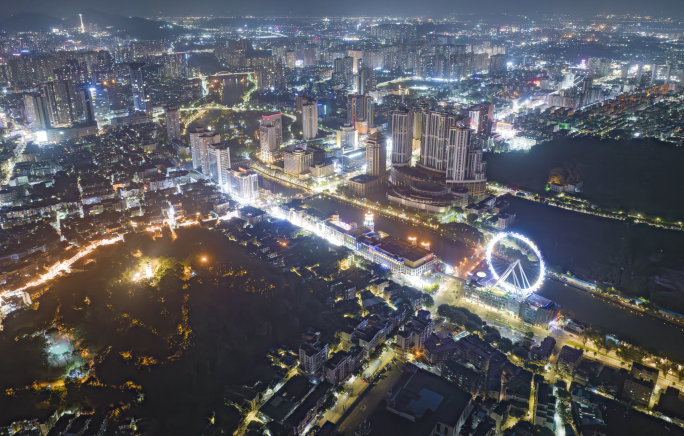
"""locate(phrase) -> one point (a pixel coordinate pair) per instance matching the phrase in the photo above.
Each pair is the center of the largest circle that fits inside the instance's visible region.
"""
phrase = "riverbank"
(585, 207)
(625, 321)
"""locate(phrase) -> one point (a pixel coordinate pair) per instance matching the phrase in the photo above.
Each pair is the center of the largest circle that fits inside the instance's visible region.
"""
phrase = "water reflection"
(641, 329)
(232, 90)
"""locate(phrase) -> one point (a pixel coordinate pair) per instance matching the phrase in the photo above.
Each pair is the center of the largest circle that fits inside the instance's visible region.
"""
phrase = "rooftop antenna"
(82, 26)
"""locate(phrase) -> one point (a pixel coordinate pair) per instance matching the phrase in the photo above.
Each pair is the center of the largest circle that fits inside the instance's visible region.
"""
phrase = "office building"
(402, 137)
(347, 137)
(310, 119)
(270, 136)
(376, 155)
(173, 130)
(353, 160)
(298, 161)
(376, 167)
(219, 163)
(244, 185)
(137, 77)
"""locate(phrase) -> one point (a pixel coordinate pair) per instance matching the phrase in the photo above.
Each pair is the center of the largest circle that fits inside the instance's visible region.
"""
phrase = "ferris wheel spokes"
(514, 278)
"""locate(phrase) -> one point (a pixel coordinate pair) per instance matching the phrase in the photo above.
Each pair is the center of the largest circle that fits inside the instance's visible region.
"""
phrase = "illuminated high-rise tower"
(402, 137)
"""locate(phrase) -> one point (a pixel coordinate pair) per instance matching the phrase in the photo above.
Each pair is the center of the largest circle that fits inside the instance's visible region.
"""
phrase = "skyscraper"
(290, 59)
(310, 119)
(300, 101)
(457, 154)
(199, 144)
(138, 85)
(402, 136)
(345, 68)
(654, 73)
(347, 136)
(173, 131)
(309, 56)
(465, 168)
(35, 111)
(376, 155)
(360, 109)
(99, 101)
(668, 71)
(65, 103)
(367, 81)
(435, 128)
(219, 163)
(270, 135)
(244, 185)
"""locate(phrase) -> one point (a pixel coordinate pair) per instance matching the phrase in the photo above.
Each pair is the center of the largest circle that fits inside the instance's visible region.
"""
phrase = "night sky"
(428, 8)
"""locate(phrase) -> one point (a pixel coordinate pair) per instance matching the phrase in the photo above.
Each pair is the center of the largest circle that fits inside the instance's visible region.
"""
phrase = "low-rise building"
(464, 377)
(476, 352)
(644, 372)
(336, 369)
(569, 359)
(543, 351)
(422, 404)
(438, 349)
(371, 336)
(637, 390)
(546, 406)
(312, 355)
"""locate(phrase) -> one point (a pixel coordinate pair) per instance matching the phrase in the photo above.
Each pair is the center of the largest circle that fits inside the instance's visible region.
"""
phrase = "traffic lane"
(371, 400)
(356, 387)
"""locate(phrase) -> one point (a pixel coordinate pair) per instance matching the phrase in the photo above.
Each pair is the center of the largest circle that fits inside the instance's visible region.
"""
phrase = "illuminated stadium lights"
(522, 286)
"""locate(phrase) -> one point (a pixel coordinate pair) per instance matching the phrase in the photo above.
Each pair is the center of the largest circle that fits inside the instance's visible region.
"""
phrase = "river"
(631, 326)
(635, 327)
(232, 90)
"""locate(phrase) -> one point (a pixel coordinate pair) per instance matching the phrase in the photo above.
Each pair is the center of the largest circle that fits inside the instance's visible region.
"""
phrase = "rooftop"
(423, 399)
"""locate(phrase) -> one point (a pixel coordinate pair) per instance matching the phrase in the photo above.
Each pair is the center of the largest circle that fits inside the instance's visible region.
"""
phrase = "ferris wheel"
(516, 263)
